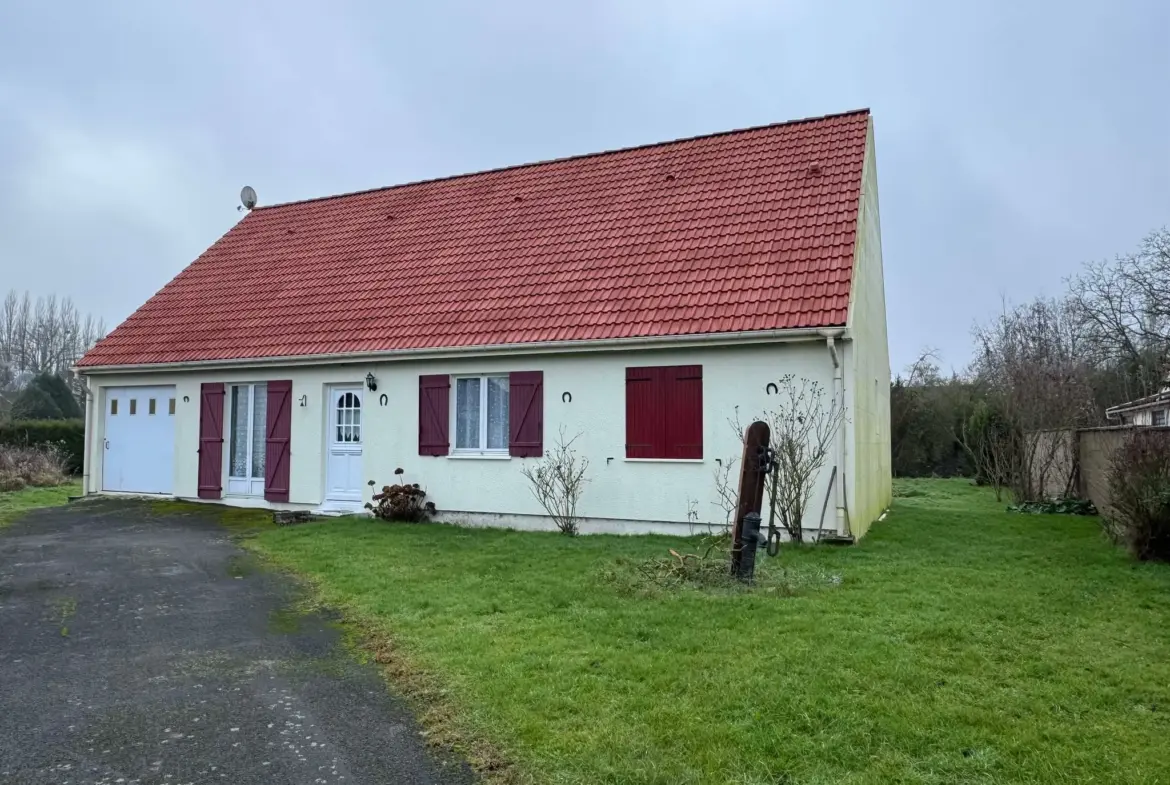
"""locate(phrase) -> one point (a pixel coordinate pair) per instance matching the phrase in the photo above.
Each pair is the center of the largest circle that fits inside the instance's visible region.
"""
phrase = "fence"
(1082, 460)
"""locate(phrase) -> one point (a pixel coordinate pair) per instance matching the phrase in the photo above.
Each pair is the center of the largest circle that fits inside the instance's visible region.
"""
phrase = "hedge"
(69, 435)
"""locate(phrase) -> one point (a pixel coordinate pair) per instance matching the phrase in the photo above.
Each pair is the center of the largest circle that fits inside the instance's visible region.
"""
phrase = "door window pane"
(259, 428)
(349, 418)
(239, 444)
(497, 412)
(467, 413)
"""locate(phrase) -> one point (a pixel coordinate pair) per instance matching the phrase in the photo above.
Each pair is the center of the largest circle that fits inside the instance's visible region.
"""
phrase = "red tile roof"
(744, 230)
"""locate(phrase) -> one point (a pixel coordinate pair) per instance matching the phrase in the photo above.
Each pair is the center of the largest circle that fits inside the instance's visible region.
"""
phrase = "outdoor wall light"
(304, 400)
(371, 382)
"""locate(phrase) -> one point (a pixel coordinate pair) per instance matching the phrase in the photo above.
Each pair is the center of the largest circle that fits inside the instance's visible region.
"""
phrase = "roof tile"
(746, 236)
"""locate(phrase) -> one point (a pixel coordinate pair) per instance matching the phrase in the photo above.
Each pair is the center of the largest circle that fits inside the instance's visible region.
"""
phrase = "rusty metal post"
(751, 487)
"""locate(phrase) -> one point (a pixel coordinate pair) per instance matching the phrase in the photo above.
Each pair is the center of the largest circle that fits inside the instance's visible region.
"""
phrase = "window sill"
(662, 460)
(481, 456)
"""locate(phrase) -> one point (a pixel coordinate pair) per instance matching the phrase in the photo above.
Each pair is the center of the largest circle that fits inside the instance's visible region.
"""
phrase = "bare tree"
(1034, 377)
(558, 480)
(1123, 309)
(47, 335)
(803, 427)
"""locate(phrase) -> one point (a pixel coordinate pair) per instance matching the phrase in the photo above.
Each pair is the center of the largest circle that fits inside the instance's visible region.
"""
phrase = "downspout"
(87, 444)
(837, 395)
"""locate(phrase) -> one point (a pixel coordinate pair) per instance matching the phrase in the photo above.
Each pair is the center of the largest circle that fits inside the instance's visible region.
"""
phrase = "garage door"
(140, 440)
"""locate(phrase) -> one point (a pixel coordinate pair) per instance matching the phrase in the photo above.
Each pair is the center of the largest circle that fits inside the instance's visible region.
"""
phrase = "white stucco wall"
(623, 495)
(867, 377)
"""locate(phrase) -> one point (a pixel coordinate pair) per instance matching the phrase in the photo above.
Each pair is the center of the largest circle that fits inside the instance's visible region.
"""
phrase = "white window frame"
(483, 416)
(249, 485)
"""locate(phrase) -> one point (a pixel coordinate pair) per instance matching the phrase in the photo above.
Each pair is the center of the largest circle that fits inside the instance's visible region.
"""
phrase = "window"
(113, 406)
(664, 412)
(150, 407)
(349, 419)
(1158, 417)
(248, 408)
(481, 414)
(171, 406)
(133, 406)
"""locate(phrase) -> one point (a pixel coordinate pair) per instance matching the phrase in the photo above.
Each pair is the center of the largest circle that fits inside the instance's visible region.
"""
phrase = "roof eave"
(545, 347)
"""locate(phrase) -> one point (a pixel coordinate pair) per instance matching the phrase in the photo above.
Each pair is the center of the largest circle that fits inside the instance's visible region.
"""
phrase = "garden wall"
(1091, 452)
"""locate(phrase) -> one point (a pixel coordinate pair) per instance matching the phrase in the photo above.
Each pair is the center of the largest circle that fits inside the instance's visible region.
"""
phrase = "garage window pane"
(133, 406)
(113, 406)
(171, 407)
(150, 408)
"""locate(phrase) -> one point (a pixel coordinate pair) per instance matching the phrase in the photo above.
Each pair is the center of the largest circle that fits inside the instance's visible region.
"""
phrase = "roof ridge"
(579, 156)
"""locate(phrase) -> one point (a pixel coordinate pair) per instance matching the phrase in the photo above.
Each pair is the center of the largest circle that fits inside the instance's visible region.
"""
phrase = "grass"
(964, 644)
(15, 503)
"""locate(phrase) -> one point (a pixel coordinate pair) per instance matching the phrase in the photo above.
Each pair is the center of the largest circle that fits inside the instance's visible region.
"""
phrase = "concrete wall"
(624, 495)
(1086, 454)
(1054, 461)
(867, 380)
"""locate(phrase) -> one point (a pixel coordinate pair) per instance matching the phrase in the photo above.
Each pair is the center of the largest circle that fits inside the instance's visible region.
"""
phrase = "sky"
(1015, 140)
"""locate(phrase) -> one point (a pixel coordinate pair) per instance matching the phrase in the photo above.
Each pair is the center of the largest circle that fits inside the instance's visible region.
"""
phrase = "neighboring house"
(640, 298)
(1151, 410)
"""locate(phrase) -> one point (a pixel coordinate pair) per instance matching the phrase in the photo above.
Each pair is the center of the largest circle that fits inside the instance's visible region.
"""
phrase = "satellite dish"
(248, 197)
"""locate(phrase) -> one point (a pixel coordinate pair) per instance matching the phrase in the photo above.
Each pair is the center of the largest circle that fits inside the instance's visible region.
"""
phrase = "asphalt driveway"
(139, 647)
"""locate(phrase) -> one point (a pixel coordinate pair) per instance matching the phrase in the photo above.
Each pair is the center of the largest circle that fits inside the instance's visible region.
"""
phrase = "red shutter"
(277, 444)
(645, 418)
(211, 440)
(434, 414)
(526, 414)
(684, 411)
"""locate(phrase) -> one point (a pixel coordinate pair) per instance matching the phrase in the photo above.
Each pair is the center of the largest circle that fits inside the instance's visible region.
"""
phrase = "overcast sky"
(1015, 140)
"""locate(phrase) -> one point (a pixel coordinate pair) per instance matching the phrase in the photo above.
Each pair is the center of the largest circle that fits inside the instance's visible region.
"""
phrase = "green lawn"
(13, 503)
(963, 645)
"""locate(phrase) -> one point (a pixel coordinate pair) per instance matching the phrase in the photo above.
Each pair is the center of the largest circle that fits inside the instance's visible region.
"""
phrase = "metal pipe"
(87, 442)
(837, 394)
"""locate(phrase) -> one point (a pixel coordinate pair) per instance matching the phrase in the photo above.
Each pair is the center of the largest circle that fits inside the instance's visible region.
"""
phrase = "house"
(1151, 410)
(638, 299)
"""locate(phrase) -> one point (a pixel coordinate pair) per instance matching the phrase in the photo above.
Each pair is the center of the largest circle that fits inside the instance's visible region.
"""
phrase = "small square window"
(1159, 417)
(113, 406)
(150, 407)
(133, 406)
(171, 406)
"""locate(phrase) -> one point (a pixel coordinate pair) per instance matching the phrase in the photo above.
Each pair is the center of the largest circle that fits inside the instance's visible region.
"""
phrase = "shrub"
(33, 403)
(401, 502)
(66, 435)
(1139, 488)
(38, 466)
(557, 482)
(46, 397)
(1061, 505)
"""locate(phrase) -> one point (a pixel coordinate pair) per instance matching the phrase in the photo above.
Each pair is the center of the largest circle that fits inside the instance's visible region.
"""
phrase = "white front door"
(343, 437)
(138, 454)
(247, 421)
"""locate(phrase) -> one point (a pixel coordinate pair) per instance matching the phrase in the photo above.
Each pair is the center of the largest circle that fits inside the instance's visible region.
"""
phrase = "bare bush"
(803, 427)
(40, 466)
(1033, 375)
(558, 480)
(1139, 492)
